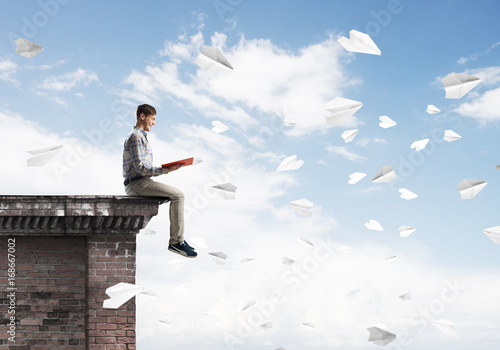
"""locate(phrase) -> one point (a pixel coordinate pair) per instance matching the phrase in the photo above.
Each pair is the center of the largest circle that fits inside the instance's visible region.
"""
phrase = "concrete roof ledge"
(75, 215)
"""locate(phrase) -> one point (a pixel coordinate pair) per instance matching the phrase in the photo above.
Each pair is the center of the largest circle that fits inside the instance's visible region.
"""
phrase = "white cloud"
(7, 70)
(488, 75)
(69, 80)
(271, 81)
(366, 140)
(486, 108)
(344, 152)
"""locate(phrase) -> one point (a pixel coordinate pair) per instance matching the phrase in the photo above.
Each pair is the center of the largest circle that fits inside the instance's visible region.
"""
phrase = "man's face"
(149, 122)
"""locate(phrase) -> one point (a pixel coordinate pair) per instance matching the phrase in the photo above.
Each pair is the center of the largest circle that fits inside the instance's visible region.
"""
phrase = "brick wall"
(68, 251)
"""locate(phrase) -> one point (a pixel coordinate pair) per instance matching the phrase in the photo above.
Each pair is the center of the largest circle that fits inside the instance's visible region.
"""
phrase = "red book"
(184, 162)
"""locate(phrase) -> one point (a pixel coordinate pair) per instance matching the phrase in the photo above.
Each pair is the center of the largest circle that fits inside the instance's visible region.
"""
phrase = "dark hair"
(146, 109)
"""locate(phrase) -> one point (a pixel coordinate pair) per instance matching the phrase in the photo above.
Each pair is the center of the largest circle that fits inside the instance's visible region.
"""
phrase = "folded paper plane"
(431, 109)
(245, 260)
(405, 297)
(219, 127)
(341, 109)
(288, 261)
(290, 163)
(391, 258)
(450, 135)
(219, 257)
(120, 293)
(386, 122)
(405, 231)
(493, 233)
(407, 194)
(226, 191)
(302, 207)
(355, 178)
(27, 48)
(308, 324)
(445, 326)
(287, 122)
(43, 155)
(379, 336)
(457, 85)
(419, 145)
(211, 58)
(307, 241)
(359, 42)
(249, 304)
(470, 188)
(385, 174)
(373, 225)
(267, 326)
(343, 249)
(349, 135)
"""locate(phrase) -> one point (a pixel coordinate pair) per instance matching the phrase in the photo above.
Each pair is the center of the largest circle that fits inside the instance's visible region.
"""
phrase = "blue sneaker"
(182, 249)
(186, 243)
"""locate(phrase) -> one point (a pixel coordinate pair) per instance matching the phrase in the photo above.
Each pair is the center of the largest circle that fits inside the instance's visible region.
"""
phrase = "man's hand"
(173, 167)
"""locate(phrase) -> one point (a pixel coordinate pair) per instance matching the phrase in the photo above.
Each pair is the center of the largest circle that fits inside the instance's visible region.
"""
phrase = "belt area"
(132, 179)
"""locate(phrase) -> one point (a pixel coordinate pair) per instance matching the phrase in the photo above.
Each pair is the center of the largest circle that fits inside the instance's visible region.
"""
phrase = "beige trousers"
(149, 188)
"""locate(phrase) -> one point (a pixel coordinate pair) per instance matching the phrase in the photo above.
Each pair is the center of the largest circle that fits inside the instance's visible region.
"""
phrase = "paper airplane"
(379, 336)
(407, 194)
(302, 207)
(220, 257)
(343, 249)
(197, 160)
(120, 293)
(386, 122)
(450, 135)
(405, 231)
(457, 85)
(307, 241)
(341, 109)
(349, 135)
(445, 326)
(166, 320)
(147, 232)
(290, 163)
(391, 258)
(42, 155)
(470, 188)
(359, 42)
(431, 109)
(405, 297)
(245, 260)
(385, 174)
(497, 167)
(211, 58)
(226, 191)
(493, 233)
(249, 304)
(219, 127)
(419, 145)
(27, 48)
(287, 122)
(308, 324)
(266, 326)
(287, 261)
(373, 225)
(355, 178)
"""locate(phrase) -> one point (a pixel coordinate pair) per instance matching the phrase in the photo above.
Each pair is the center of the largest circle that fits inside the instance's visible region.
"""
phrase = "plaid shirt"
(138, 156)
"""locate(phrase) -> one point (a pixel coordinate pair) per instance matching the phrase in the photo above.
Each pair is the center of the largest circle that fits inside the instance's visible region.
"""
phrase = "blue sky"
(103, 58)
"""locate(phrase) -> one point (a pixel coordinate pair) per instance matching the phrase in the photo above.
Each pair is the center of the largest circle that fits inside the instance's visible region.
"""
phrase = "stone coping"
(75, 214)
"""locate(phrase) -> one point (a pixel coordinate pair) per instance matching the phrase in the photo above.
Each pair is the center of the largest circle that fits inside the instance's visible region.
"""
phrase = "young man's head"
(146, 116)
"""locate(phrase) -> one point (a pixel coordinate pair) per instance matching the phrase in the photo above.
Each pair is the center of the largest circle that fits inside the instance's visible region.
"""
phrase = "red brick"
(105, 340)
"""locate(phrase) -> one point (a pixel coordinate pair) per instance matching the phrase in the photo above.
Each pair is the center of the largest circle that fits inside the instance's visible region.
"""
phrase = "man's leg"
(149, 188)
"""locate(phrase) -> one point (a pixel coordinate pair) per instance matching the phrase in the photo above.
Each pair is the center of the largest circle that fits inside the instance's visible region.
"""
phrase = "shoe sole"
(181, 252)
